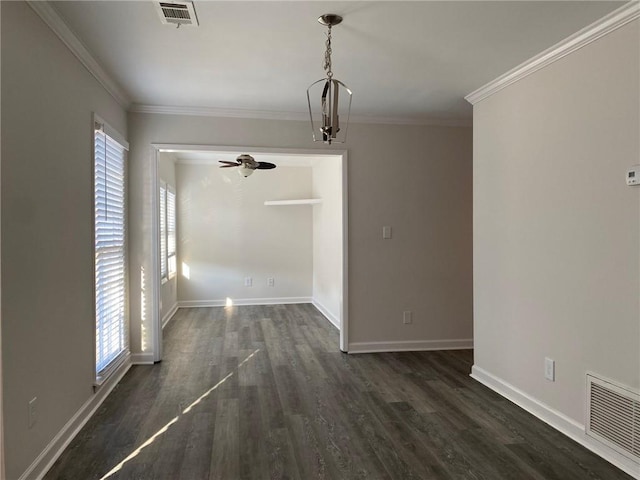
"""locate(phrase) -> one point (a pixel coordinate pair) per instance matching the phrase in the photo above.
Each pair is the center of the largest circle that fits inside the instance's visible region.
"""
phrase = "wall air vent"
(613, 416)
(177, 13)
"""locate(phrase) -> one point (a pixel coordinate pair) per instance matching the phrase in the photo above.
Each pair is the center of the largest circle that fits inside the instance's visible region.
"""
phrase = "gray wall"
(416, 179)
(48, 325)
(556, 230)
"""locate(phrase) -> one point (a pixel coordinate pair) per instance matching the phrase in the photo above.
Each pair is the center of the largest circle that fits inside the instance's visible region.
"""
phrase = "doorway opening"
(278, 236)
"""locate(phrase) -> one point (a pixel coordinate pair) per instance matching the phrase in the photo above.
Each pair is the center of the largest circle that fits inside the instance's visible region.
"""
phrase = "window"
(163, 231)
(168, 261)
(110, 249)
(171, 231)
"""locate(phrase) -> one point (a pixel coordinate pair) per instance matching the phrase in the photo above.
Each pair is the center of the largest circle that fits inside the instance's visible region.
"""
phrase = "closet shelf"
(301, 201)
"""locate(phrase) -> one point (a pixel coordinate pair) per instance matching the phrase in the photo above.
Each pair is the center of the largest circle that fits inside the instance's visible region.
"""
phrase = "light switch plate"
(550, 369)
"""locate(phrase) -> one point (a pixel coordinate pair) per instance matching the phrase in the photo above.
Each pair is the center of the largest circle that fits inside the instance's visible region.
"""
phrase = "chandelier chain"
(327, 55)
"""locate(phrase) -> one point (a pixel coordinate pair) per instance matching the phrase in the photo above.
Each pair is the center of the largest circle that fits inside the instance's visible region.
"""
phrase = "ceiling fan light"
(244, 170)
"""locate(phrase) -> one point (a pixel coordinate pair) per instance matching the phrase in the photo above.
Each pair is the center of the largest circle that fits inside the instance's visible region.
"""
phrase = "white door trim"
(156, 321)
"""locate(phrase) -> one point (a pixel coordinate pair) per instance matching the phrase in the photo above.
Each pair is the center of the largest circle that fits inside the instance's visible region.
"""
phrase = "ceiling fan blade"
(265, 166)
(228, 164)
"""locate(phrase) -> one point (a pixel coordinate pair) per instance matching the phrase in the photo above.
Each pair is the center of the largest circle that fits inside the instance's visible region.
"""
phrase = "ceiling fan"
(247, 164)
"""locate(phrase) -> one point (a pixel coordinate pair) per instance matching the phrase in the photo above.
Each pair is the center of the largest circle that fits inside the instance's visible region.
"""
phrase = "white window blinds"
(163, 231)
(110, 266)
(171, 231)
(168, 262)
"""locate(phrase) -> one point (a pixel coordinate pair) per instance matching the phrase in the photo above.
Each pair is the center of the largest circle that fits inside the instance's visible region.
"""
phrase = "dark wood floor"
(264, 393)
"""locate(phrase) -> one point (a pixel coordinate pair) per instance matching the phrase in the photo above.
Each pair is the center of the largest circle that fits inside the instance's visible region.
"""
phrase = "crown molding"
(216, 112)
(273, 115)
(423, 121)
(616, 19)
(53, 20)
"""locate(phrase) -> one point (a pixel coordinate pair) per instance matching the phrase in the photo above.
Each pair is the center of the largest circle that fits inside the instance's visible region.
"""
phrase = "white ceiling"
(412, 60)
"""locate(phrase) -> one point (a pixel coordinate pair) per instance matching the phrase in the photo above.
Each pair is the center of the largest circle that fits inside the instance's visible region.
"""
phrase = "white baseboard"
(244, 301)
(566, 425)
(328, 315)
(169, 315)
(50, 454)
(410, 346)
(142, 359)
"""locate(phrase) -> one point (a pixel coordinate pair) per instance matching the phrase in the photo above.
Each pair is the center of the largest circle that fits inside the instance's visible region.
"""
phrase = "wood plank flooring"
(264, 393)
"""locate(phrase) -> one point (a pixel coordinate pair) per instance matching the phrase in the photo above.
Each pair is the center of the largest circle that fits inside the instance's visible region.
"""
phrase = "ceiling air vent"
(614, 416)
(177, 13)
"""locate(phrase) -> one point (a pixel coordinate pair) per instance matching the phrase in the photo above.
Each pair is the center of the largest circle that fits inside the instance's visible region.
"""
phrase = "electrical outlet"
(407, 317)
(550, 369)
(248, 281)
(386, 233)
(33, 412)
(271, 282)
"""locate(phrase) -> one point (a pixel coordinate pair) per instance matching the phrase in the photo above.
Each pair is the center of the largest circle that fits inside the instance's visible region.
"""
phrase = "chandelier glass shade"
(329, 99)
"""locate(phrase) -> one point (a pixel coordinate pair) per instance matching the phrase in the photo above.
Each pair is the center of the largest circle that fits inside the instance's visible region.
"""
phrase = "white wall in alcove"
(227, 234)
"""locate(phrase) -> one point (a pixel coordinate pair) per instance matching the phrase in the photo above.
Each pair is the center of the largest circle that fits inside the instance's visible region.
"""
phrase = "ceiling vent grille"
(177, 13)
(614, 416)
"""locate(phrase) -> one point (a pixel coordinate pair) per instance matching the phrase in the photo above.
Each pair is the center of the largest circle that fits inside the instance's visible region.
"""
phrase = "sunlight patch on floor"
(151, 439)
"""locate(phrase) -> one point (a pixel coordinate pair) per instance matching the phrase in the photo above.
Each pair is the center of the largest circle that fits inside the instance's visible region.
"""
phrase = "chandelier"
(326, 114)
